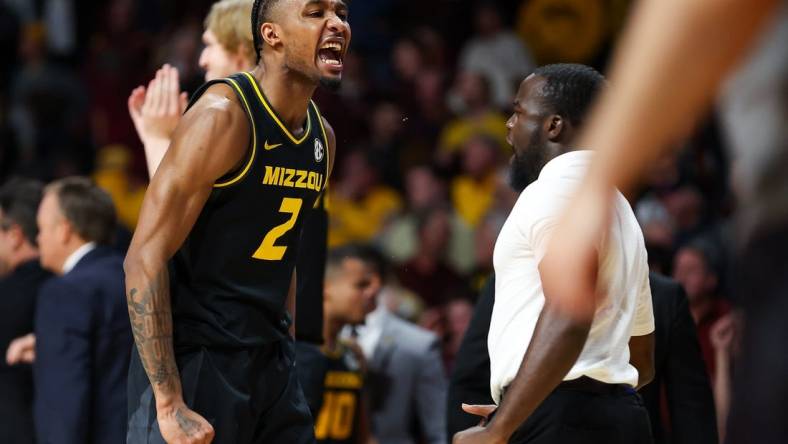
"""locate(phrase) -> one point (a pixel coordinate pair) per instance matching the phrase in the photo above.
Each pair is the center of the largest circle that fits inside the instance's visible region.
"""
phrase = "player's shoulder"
(217, 108)
(329, 130)
(331, 139)
(541, 199)
(220, 98)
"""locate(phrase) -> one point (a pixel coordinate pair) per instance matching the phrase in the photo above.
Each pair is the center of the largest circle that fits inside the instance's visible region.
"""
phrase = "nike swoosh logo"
(270, 147)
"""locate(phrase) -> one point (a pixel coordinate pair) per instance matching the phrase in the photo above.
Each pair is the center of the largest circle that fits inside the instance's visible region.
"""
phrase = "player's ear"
(270, 33)
(554, 126)
(65, 231)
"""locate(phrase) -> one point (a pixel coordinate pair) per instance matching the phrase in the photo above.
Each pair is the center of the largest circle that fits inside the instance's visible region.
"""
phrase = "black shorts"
(249, 396)
(311, 368)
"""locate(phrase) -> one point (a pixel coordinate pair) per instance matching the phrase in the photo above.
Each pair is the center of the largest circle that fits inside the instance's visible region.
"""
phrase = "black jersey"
(230, 278)
(338, 420)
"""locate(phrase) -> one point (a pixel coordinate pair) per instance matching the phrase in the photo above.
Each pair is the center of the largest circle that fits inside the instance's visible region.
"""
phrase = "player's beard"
(331, 83)
(311, 75)
(525, 168)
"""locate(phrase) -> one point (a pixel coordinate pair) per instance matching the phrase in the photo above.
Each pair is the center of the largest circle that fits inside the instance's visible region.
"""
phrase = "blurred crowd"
(420, 118)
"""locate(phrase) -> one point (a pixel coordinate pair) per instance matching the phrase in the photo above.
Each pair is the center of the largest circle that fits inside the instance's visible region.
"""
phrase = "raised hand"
(725, 333)
(157, 109)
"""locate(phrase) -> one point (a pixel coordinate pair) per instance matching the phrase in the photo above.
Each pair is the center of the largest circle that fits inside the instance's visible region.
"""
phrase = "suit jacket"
(18, 293)
(470, 377)
(83, 344)
(678, 362)
(680, 369)
(406, 385)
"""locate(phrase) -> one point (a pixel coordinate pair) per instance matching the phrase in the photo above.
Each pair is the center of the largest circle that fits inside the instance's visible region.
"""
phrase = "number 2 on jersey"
(267, 251)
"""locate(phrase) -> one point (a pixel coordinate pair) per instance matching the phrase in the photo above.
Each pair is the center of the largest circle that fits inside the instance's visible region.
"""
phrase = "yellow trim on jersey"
(317, 201)
(326, 198)
(325, 139)
(273, 114)
(343, 380)
(254, 141)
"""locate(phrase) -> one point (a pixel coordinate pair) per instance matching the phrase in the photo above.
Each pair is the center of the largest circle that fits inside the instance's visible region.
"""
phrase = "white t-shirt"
(624, 309)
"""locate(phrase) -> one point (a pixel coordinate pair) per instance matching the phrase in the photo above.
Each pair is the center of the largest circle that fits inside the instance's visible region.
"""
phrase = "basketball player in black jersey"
(210, 272)
(348, 296)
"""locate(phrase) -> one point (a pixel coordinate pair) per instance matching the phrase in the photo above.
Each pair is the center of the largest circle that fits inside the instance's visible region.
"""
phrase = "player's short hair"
(570, 89)
(19, 201)
(88, 208)
(260, 14)
(228, 20)
(369, 255)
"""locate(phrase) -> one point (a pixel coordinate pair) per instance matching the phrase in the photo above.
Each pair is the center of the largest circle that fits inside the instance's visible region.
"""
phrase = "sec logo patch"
(319, 150)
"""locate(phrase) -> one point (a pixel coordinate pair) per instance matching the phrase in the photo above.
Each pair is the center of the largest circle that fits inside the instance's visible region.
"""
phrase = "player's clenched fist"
(180, 425)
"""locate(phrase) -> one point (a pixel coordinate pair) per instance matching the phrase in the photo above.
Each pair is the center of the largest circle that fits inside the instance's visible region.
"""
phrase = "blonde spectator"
(157, 109)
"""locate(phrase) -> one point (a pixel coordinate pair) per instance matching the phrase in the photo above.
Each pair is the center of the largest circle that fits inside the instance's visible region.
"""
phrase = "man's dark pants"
(594, 413)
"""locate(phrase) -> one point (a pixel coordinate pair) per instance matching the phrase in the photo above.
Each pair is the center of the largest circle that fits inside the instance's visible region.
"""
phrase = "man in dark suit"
(680, 369)
(470, 378)
(678, 363)
(83, 337)
(20, 277)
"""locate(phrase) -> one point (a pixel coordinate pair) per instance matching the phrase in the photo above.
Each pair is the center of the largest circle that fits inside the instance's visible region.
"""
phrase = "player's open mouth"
(330, 53)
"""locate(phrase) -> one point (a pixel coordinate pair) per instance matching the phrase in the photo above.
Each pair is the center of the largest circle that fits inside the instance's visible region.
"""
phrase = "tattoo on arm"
(189, 426)
(150, 313)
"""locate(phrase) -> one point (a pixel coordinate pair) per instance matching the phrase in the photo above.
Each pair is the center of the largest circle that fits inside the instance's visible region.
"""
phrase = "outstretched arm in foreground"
(210, 140)
(672, 58)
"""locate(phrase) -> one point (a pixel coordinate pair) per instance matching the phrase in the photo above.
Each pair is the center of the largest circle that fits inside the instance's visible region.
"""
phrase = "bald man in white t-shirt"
(555, 377)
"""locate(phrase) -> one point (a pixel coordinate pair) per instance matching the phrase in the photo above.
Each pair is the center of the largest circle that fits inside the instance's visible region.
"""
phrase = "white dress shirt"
(624, 309)
(370, 332)
(74, 258)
